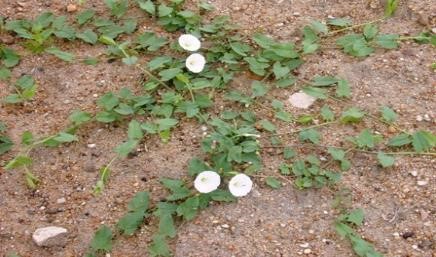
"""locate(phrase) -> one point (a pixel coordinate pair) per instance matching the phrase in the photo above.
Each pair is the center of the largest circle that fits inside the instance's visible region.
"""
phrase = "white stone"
(50, 236)
(91, 145)
(301, 100)
(414, 173)
(61, 200)
(422, 182)
(304, 245)
(419, 118)
(307, 251)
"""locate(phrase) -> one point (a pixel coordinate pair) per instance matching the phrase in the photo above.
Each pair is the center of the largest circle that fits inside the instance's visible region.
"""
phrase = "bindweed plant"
(181, 78)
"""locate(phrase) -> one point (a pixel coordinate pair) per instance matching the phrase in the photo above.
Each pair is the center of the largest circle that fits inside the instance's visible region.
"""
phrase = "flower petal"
(240, 185)
(189, 42)
(195, 62)
(207, 181)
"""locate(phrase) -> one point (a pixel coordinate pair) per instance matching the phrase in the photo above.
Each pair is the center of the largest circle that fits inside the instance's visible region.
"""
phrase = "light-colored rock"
(301, 100)
(422, 182)
(61, 200)
(71, 8)
(50, 236)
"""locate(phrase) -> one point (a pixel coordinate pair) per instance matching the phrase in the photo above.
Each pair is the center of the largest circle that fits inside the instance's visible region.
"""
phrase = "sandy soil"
(267, 222)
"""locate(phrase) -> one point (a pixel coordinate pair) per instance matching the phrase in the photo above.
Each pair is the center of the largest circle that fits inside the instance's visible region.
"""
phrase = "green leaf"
(310, 135)
(166, 226)
(4, 73)
(151, 42)
(258, 89)
(343, 89)
(288, 153)
(286, 82)
(65, 56)
(90, 61)
(355, 45)
(118, 7)
(366, 139)
(25, 82)
(370, 31)
(387, 41)
(64, 137)
(322, 81)
(5, 144)
(319, 27)
(343, 230)
(13, 99)
(10, 57)
(256, 66)
(134, 132)
(352, 115)
(196, 166)
(267, 125)
(147, 6)
(188, 209)
(85, 16)
(31, 180)
(356, 217)
(88, 36)
(18, 161)
(108, 101)
(137, 207)
(240, 48)
(102, 240)
(139, 202)
(385, 160)
(337, 154)
(159, 62)
(280, 71)
(390, 8)
(125, 148)
(165, 124)
(79, 117)
(284, 116)
(159, 247)
(27, 138)
(130, 222)
(327, 114)
(340, 22)
(400, 140)
(169, 73)
(388, 114)
(130, 60)
(106, 117)
(107, 40)
(273, 182)
(315, 92)
(222, 196)
(164, 10)
(263, 41)
(177, 188)
(423, 141)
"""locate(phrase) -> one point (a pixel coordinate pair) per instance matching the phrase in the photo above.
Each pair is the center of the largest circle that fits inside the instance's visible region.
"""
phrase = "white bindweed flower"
(195, 63)
(240, 185)
(207, 181)
(189, 42)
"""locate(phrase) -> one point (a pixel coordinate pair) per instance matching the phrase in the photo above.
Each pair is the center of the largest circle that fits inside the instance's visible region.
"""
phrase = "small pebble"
(225, 226)
(419, 118)
(71, 8)
(304, 245)
(422, 182)
(61, 200)
(307, 251)
(91, 145)
(414, 173)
